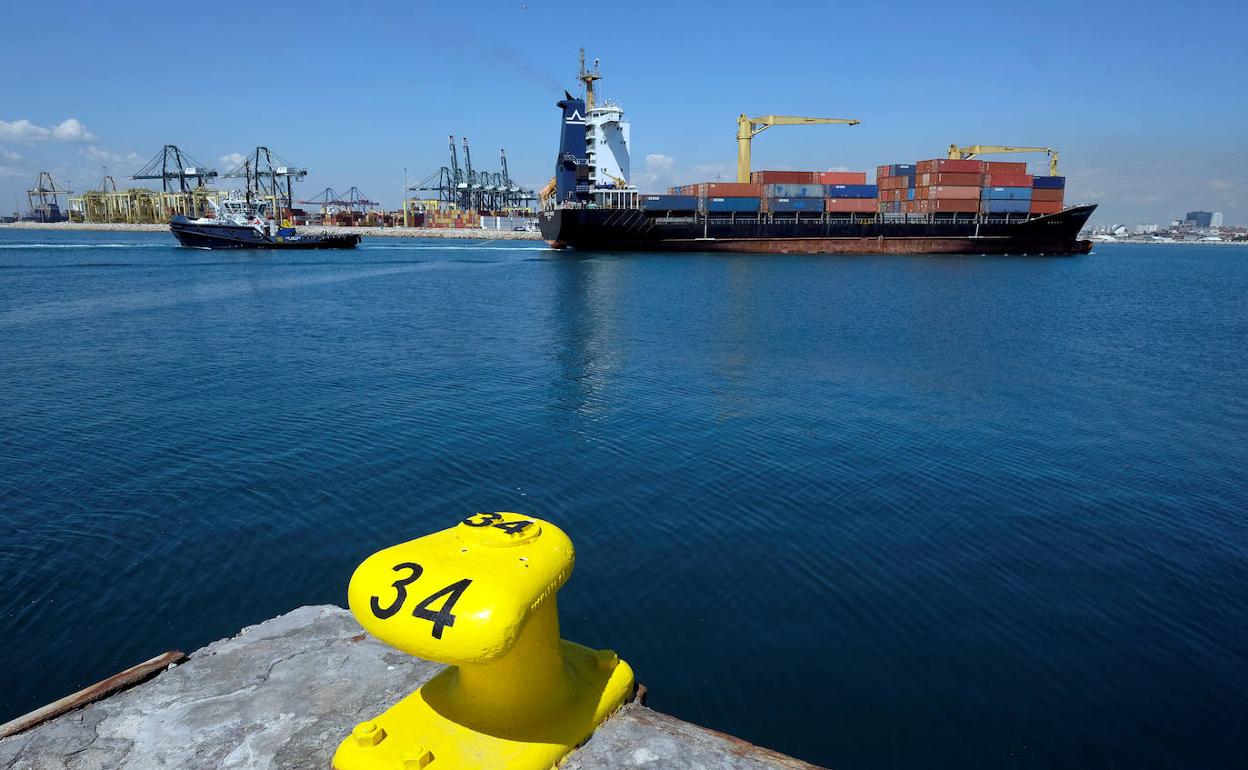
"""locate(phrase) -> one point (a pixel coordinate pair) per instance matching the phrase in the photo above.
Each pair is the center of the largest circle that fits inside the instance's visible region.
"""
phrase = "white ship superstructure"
(606, 146)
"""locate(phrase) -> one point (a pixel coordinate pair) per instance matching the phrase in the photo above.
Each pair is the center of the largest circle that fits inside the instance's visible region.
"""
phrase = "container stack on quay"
(946, 185)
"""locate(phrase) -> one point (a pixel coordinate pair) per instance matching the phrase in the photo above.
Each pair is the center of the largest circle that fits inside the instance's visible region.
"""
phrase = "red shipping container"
(1003, 167)
(842, 177)
(851, 205)
(881, 172)
(997, 179)
(1047, 196)
(784, 177)
(729, 190)
(950, 165)
(950, 178)
(1045, 207)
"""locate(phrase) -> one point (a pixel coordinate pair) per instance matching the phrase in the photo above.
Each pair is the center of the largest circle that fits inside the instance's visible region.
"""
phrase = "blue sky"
(1145, 100)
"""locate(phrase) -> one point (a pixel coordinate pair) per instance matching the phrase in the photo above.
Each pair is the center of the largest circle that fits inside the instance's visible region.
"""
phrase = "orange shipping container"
(784, 177)
(852, 205)
(1004, 167)
(729, 190)
(842, 177)
(1045, 207)
(1047, 196)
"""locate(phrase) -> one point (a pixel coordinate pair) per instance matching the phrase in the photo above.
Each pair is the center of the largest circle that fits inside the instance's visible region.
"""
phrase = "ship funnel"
(572, 165)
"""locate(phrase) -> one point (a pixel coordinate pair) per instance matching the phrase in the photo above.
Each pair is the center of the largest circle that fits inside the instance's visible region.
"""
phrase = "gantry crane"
(965, 153)
(42, 199)
(748, 128)
(264, 172)
(172, 165)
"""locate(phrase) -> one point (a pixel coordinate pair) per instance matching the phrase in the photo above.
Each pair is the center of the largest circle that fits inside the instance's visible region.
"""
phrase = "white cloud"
(10, 171)
(72, 130)
(23, 131)
(107, 156)
(1221, 185)
(68, 130)
(658, 173)
(231, 160)
(663, 171)
(9, 156)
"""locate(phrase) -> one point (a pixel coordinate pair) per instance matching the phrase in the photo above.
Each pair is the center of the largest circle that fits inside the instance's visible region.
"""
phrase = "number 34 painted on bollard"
(441, 618)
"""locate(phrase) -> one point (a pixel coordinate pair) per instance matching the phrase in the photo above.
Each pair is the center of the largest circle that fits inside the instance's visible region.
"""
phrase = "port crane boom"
(748, 128)
(965, 153)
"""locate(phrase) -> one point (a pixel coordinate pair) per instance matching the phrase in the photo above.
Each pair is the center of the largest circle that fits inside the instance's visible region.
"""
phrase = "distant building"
(1216, 219)
(1146, 229)
(1200, 219)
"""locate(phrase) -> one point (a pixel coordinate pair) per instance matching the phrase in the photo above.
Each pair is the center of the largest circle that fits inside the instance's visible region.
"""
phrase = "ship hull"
(636, 230)
(225, 236)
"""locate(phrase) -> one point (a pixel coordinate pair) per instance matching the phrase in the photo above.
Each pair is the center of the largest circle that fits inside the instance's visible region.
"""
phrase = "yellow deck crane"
(965, 153)
(748, 128)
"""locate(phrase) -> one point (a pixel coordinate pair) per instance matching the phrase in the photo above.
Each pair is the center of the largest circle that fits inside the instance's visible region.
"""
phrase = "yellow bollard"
(481, 597)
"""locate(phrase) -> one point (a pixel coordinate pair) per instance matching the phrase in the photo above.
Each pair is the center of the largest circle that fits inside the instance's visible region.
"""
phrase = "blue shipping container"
(1001, 206)
(1006, 194)
(909, 193)
(795, 204)
(669, 203)
(1048, 182)
(777, 190)
(852, 191)
(901, 169)
(749, 205)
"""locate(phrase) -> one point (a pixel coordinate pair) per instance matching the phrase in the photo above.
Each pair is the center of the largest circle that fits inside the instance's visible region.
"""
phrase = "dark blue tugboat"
(239, 224)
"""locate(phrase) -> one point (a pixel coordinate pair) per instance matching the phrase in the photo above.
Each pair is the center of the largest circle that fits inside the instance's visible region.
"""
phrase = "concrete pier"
(283, 693)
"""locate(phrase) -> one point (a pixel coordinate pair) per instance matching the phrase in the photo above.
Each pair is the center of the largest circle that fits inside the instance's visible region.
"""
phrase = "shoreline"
(376, 232)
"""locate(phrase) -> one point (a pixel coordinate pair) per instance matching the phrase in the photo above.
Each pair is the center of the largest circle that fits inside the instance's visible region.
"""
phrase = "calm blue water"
(870, 511)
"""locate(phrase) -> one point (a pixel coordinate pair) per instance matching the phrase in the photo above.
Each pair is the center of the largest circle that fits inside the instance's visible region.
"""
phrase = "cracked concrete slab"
(283, 693)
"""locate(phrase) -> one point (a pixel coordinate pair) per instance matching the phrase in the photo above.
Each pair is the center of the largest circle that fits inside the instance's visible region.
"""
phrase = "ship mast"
(588, 77)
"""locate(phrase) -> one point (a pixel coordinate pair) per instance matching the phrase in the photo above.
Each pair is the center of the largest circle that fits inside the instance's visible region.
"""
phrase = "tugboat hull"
(229, 236)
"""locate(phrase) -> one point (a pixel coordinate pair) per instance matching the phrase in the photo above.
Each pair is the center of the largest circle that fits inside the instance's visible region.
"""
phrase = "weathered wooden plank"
(115, 683)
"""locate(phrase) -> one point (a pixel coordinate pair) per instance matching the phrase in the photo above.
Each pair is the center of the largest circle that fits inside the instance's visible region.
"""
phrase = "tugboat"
(237, 223)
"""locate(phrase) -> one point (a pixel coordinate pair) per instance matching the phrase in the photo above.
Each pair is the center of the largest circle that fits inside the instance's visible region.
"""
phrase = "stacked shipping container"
(948, 185)
(1047, 194)
(780, 192)
(938, 185)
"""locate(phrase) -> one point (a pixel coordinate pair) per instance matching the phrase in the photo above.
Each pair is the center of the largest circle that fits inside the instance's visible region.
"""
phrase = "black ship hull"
(229, 236)
(593, 229)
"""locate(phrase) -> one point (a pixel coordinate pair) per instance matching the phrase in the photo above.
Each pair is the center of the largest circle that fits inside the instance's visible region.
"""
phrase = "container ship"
(959, 204)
